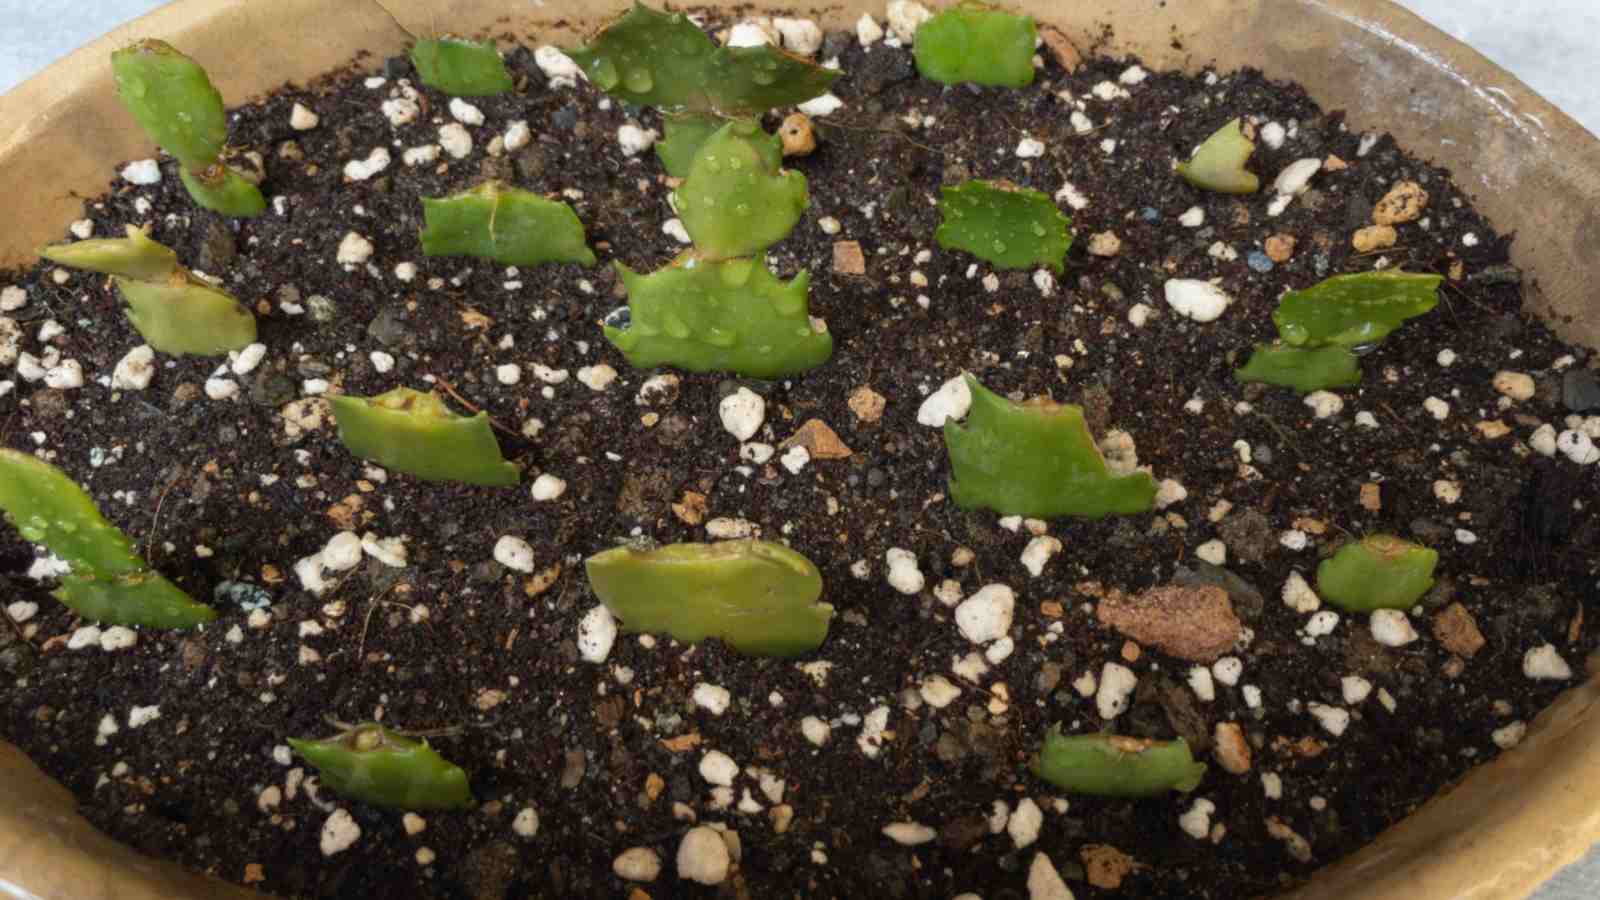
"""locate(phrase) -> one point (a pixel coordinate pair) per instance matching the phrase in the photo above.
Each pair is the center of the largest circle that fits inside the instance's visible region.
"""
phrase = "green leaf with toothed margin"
(505, 224)
(1302, 368)
(461, 68)
(978, 44)
(1000, 223)
(413, 432)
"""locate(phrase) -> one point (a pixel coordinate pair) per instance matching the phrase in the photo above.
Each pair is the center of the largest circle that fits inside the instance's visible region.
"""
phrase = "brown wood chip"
(819, 440)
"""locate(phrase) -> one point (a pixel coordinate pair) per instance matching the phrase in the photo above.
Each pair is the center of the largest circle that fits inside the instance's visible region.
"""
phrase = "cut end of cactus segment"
(1218, 164)
(385, 768)
(1109, 765)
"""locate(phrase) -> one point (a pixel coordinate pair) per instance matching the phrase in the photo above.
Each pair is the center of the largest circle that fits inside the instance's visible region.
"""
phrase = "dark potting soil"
(607, 754)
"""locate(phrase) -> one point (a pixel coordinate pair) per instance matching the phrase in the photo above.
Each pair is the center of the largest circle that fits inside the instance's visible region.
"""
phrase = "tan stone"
(1061, 48)
(1458, 631)
(691, 510)
(1232, 750)
(797, 135)
(1371, 497)
(1196, 623)
(848, 258)
(819, 440)
(1105, 243)
(1334, 164)
(1404, 203)
(867, 404)
(1106, 865)
(1280, 247)
(1493, 428)
(1374, 237)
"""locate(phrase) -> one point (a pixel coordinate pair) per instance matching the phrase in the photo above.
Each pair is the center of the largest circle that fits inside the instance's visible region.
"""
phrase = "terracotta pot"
(1499, 833)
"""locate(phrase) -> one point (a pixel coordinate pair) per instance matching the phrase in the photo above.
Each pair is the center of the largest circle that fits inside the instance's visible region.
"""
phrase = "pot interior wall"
(1534, 171)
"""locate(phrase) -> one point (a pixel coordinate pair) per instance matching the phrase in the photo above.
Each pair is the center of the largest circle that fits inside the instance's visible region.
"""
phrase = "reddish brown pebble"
(1232, 749)
(1280, 247)
(1458, 631)
(819, 440)
(1371, 499)
(1193, 623)
(1106, 866)
(1061, 48)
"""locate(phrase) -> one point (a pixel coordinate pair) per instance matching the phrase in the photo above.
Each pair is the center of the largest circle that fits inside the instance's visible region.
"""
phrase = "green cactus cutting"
(1301, 368)
(173, 311)
(651, 58)
(109, 581)
(1356, 309)
(173, 100)
(1035, 459)
(460, 68)
(375, 765)
(738, 199)
(978, 44)
(1379, 571)
(1218, 164)
(1008, 226)
(1109, 765)
(413, 432)
(727, 316)
(684, 135)
(506, 224)
(760, 598)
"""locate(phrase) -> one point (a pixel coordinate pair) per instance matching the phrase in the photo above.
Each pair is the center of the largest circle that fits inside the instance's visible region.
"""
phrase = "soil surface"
(227, 494)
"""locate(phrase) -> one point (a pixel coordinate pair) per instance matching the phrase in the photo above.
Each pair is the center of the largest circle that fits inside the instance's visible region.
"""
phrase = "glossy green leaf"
(109, 582)
(738, 200)
(173, 100)
(760, 598)
(1008, 226)
(412, 432)
(183, 315)
(1301, 368)
(1108, 765)
(1352, 310)
(134, 256)
(976, 43)
(651, 58)
(506, 224)
(223, 190)
(1218, 164)
(145, 599)
(384, 768)
(49, 508)
(685, 134)
(1035, 459)
(1380, 571)
(728, 316)
(461, 68)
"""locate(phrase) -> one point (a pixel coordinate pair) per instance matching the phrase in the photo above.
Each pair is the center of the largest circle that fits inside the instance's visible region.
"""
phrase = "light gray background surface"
(1553, 45)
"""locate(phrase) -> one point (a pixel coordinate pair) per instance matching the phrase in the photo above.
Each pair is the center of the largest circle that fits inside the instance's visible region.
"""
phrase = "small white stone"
(1324, 404)
(1333, 719)
(1518, 386)
(508, 373)
(712, 698)
(1391, 628)
(1070, 195)
(756, 452)
(21, 610)
(455, 139)
(390, 551)
(1296, 177)
(400, 110)
(12, 298)
(517, 135)
(1437, 408)
(1044, 882)
(526, 824)
(1193, 217)
(634, 140)
(1543, 440)
(548, 487)
(382, 362)
(1447, 491)
(1355, 689)
(674, 229)
(1366, 419)
(873, 726)
(1026, 821)
(1322, 623)
(425, 155)
(140, 716)
(221, 388)
(1038, 552)
(1272, 785)
(1510, 735)
(742, 413)
(800, 36)
(751, 34)
(905, 17)
(951, 401)
(1200, 682)
(986, 615)
(1272, 134)
(868, 31)
(362, 169)
(1117, 683)
(1294, 539)
(465, 112)
(142, 171)
(904, 575)
(597, 377)
(1213, 551)
(1576, 446)
(938, 692)
(1227, 670)
(1543, 663)
(342, 552)
(909, 834)
(795, 458)
(1201, 301)
(246, 360)
(821, 106)
(339, 832)
(514, 553)
(597, 632)
(1298, 595)
(1133, 75)
(815, 730)
(84, 636)
(118, 637)
(1030, 148)
(1196, 823)
(703, 856)
(637, 864)
(135, 370)
(354, 250)
(302, 118)
(557, 67)
(64, 376)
